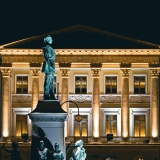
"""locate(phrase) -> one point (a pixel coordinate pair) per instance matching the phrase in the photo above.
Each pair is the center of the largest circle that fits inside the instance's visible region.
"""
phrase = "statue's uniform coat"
(49, 69)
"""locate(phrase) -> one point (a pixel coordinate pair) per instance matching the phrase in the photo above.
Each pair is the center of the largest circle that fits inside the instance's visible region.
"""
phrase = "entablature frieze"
(84, 58)
(87, 98)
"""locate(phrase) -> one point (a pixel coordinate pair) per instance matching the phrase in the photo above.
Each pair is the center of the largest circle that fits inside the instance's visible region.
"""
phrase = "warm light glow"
(6, 111)
(84, 131)
(154, 134)
(5, 134)
(77, 129)
(96, 122)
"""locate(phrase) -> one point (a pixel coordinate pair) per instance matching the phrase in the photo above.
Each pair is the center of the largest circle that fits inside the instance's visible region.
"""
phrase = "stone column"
(125, 104)
(154, 102)
(6, 101)
(64, 95)
(95, 104)
(35, 87)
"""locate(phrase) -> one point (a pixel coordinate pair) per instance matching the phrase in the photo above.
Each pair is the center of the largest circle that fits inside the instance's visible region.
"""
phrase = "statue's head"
(79, 143)
(41, 145)
(48, 39)
(56, 147)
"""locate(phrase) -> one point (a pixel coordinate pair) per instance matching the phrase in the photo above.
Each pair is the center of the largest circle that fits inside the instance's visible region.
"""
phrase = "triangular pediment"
(82, 37)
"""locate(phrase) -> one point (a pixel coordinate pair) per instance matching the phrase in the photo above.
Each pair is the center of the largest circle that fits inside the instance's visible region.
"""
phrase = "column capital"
(95, 72)
(6, 71)
(154, 72)
(64, 72)
(35, 71)
(125, 72)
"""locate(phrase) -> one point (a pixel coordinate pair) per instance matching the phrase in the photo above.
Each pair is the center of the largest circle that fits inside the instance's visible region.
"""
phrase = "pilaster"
(6, 101)
(154, 102)
(125, 104)
(96, 102)
(35, 86)
(64, 95)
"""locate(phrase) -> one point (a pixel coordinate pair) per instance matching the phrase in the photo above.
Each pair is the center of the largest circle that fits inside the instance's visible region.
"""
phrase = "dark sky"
(22, 19)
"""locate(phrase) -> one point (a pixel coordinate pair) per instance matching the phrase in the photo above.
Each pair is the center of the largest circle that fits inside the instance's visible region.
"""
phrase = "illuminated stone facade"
(107, 87)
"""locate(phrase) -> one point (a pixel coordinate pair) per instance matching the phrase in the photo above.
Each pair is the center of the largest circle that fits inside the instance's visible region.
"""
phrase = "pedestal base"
(48, 125)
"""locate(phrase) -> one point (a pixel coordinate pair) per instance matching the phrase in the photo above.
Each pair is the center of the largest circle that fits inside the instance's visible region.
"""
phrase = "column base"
(154, 141)
(125, 141)
(95, 141)
(6, 139)
(67, 140)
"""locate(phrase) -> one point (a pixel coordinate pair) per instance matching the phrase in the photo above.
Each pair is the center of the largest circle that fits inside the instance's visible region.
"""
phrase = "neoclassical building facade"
(113, 79)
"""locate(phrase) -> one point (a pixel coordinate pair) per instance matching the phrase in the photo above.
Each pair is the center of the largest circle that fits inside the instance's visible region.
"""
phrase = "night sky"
(23, 19)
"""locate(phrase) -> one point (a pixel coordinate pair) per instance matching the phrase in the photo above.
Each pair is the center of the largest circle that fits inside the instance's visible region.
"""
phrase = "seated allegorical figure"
(58, 154)
(78, 152)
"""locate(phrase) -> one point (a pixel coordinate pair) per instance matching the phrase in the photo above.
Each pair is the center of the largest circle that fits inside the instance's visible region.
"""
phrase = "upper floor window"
(111, 124)
(80, 84)
(139, 126)
(111, 84)
(139, 85)
(22, 84)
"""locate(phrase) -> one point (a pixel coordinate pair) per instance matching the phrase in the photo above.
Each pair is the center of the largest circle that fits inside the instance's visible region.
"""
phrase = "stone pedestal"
(48, 123)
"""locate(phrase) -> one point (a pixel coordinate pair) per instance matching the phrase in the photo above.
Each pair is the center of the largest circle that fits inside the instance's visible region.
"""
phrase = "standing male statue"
(49, 69)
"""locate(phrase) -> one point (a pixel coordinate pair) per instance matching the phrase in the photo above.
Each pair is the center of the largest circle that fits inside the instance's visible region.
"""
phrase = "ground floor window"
(111, 124)
(139, 126)
(81, 128)
(21, 124)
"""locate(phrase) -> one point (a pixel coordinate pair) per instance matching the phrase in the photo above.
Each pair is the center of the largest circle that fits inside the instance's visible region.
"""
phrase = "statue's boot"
(46, 97)
(52, 96)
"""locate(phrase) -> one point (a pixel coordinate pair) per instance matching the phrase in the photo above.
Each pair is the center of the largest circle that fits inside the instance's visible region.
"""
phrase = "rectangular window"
(111, 85)
(80, 85)
(139, 84)
(139, 126)
(81, 128)
(111, 124)
(22, 85)
(21, 124)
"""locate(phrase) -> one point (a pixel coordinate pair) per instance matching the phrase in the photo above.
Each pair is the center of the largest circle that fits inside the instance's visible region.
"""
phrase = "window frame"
(110, 111)
(110, 75)
(16, 75)
(139, 111)
(80, 75)
(140, 75)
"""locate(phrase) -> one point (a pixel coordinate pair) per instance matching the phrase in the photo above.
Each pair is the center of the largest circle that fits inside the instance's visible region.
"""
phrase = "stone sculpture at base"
(58, 154)
(78, 152)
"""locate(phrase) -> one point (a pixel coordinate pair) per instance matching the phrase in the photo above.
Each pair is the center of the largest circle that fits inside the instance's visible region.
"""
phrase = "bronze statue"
(49, 69)
(15, 154)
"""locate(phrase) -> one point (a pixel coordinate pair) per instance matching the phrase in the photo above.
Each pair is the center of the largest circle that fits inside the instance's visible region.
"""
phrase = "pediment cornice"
(83, 55)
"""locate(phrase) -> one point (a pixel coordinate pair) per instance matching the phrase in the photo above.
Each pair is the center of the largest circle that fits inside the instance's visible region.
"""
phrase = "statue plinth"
(48, 106)
(48, 122)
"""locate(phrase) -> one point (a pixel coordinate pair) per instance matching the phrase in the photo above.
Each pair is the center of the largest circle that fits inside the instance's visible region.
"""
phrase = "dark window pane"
(81, 84)
(114, 90)
(22, 85)
(139, 84)
(84, 90)
(111, 84)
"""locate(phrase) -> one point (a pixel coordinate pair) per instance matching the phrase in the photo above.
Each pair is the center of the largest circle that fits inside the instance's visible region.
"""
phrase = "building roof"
(82, 37)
